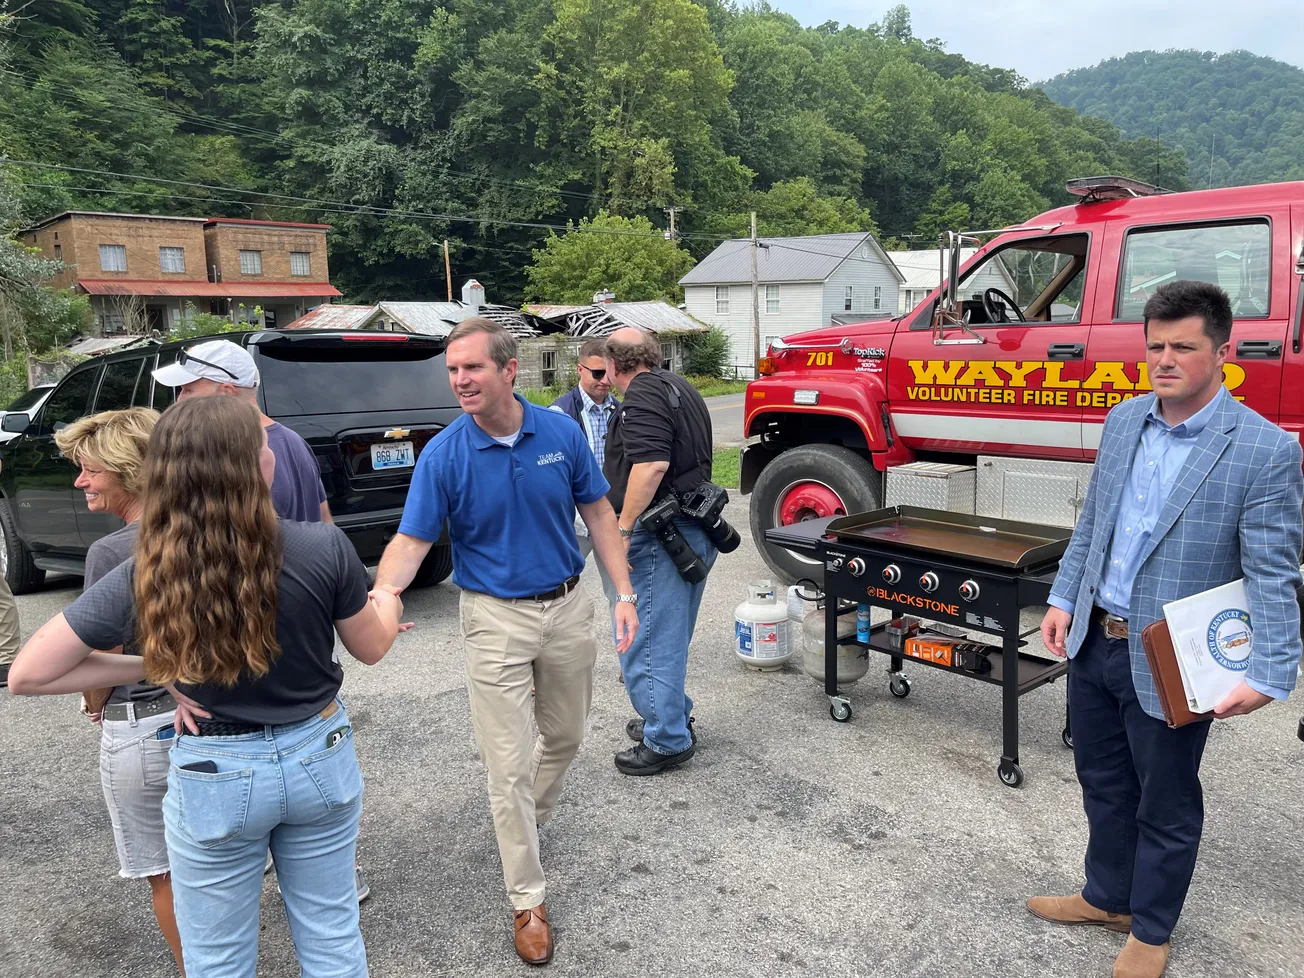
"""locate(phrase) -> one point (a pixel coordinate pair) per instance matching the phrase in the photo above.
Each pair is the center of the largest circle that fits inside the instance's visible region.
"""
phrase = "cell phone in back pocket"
(166, 733)
(203, 767)
(335, 736)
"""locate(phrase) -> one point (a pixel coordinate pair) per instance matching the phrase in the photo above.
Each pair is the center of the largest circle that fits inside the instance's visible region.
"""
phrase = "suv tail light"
(373, 338)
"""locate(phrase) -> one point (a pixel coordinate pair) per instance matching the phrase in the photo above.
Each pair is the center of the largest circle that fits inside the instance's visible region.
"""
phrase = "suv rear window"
(353, 377)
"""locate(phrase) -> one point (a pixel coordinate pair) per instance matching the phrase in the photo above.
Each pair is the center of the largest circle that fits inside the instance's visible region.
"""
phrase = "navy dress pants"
(1140, 788)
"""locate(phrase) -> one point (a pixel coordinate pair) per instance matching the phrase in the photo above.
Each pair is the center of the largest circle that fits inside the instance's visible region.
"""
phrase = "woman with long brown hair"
(239, 610)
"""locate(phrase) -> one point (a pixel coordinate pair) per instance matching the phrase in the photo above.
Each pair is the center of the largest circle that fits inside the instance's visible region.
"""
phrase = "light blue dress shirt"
(1159, 458)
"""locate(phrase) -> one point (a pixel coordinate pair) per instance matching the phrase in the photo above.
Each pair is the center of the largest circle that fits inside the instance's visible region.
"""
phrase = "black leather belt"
(221, 728)
(1112, 625)
(560, 591)
(139, 709)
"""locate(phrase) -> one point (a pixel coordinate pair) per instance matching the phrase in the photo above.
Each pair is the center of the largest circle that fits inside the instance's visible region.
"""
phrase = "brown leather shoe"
(1141, 960)
(533, 935)
(1075, 910)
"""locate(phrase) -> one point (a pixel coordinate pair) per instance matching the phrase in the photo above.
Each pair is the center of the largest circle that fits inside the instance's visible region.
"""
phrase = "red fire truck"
(1016, 381)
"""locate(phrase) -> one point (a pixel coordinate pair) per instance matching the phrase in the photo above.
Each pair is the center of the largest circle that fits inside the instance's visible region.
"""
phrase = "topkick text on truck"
(1015, 379)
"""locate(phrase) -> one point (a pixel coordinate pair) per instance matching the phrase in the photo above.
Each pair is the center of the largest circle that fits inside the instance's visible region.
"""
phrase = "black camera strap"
(683, 436)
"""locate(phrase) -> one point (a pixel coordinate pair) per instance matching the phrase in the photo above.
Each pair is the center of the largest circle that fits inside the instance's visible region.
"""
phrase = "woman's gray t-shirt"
(105, 554)
(322, 581)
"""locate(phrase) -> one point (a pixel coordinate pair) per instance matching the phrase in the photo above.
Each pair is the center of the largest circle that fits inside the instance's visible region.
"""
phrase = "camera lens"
(724, 536)
(689, 565)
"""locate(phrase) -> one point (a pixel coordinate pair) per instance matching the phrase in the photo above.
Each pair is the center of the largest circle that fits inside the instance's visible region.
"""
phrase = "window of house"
(878, 297)
(1235, 257)
(112, 322)
(113, 258)
(172, 259)
(251, 263)
(848, 294)
(722, 300)
(772, 299)
(58, 252)
(667, 356)
(299, 263)
(548, 368)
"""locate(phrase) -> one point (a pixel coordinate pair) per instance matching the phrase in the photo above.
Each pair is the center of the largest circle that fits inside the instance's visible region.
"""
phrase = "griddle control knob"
(929, 581)
(856, 565)
(892, 573)
(969, 590)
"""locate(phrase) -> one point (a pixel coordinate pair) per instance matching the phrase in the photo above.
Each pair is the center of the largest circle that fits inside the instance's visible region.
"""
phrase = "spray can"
(862, 622)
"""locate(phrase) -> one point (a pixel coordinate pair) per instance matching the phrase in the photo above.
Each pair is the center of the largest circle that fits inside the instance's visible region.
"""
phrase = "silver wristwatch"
(627, 598)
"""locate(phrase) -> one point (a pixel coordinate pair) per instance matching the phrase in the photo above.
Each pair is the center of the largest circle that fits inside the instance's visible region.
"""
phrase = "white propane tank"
(853, 661)
(761, 637)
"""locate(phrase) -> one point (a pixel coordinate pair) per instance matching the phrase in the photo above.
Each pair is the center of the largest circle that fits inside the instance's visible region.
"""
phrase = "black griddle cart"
(972, 572)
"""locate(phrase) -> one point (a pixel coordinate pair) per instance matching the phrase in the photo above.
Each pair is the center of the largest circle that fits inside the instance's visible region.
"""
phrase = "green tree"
(793, 208)
(626, 255)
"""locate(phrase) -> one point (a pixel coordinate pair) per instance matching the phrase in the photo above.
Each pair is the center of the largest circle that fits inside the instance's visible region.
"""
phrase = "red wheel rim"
(809, 501)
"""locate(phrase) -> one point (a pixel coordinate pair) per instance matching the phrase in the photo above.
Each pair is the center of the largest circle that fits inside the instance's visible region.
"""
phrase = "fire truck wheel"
(810, 482)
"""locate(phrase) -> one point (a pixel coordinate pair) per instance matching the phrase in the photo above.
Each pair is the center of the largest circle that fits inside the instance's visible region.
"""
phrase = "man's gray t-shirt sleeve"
(102, 615)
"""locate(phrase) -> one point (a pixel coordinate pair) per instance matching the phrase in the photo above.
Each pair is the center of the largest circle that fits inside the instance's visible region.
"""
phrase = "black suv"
(366, 402)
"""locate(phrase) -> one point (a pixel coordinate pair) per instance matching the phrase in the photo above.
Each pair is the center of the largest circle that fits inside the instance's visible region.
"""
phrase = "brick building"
(146, 272)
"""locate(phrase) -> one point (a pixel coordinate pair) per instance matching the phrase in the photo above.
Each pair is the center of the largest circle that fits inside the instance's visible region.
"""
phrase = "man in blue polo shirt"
(507, 477)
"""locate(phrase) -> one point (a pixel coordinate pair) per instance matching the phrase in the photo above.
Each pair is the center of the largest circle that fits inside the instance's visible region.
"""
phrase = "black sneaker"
(641, 760)
(4, 675)
(634, 730)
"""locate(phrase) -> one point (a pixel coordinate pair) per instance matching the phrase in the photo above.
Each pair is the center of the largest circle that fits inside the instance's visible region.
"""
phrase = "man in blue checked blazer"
(1191, 489)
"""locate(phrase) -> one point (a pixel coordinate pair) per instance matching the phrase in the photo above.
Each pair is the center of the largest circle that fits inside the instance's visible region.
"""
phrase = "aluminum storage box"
(1031, 490)
(932, 485)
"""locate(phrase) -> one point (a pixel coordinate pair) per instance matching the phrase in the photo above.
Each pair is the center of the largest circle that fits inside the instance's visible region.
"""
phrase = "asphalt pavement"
(726, 419)
(790, 845)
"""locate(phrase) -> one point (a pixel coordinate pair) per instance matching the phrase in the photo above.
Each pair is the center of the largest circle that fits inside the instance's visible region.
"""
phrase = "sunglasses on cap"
(595, 374)
(183, 358)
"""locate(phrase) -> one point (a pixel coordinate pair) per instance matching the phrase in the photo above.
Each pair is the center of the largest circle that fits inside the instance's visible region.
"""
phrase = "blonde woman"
(135, 718)
(239, 609)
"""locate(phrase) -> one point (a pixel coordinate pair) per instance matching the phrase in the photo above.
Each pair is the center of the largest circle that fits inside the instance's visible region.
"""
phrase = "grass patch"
(543, 396)
(714, 387)
(724, 467)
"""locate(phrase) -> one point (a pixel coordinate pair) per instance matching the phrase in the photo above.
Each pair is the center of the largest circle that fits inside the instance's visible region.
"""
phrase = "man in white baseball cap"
(223, 367)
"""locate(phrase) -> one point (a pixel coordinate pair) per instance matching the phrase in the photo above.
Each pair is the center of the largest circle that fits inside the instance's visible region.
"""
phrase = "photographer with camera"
(658, 461)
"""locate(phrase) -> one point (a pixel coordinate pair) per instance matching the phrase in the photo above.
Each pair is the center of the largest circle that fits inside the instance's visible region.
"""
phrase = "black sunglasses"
(183, 357)
(595, 374)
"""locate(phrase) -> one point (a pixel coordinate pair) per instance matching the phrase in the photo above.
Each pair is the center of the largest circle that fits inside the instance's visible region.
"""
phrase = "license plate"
(393, 455)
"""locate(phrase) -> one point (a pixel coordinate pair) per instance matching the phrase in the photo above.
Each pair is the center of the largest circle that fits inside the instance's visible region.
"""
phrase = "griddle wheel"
(840, 710)
(1011, 775)
(899, 687)
(1067, 736)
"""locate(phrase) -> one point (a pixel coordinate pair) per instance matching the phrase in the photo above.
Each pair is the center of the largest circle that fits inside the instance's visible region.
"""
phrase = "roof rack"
(1111, 188)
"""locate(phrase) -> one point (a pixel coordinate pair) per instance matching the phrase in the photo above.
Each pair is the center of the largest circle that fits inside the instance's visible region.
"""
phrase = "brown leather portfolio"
(1158, 644)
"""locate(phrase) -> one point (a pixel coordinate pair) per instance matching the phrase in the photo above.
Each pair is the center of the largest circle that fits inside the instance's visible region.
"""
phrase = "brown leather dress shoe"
(1075, 910)
(1141, 960)
(533, 935)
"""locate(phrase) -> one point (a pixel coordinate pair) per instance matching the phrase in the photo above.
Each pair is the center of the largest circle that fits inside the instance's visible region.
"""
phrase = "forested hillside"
(492, 122)
(1247, 110)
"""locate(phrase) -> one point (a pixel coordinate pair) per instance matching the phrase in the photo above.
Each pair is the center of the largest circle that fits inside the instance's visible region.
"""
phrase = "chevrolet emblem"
(397, 433)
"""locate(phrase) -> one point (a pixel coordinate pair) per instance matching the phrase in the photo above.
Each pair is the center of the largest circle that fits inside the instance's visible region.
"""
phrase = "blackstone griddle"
(973, 573)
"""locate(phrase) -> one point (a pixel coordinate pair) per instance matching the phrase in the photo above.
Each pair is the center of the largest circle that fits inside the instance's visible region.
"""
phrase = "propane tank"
(761, 637)
(853, 661)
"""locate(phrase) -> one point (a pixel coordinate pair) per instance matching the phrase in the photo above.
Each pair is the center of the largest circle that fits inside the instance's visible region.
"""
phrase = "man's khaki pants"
(511, 646)
(10, 635)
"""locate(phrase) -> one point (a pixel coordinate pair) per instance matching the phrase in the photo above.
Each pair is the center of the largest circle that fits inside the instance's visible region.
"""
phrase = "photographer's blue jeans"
(288, 788)
(656, 664)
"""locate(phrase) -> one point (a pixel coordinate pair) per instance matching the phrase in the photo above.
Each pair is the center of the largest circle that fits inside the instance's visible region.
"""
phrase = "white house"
(921, 274)
(804, 283)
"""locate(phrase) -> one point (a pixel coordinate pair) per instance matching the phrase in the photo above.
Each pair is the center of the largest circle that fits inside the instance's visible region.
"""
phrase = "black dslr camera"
(702, 504)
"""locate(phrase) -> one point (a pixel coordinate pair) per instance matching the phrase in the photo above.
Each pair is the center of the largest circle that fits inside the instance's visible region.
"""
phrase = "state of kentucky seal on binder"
(1229, 639)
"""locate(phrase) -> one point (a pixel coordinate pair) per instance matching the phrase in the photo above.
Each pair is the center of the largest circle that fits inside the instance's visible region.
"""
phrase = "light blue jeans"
(656, 665)
(296, 788)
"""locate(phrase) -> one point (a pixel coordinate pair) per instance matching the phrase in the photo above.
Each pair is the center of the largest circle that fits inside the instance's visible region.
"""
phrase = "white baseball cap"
(220, 361)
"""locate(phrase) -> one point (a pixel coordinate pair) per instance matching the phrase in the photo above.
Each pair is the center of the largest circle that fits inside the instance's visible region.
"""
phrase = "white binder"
(1212, 638)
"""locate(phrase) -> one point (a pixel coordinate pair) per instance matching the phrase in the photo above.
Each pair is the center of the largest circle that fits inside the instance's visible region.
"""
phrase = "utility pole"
(448, 273)
(672, 211)
(756, 307)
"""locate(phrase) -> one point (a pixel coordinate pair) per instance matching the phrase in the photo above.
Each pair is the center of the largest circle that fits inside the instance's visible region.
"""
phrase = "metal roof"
(333, 317)
(810, 258)
(921, 269)
(604, 318)
(219, 290)
(91, 345)
(439, 318)
(136, 217)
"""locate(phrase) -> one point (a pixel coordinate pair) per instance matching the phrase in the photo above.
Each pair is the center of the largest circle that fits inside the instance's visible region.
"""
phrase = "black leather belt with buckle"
(138, 709)
(560, 591)
(1112, 625)
(222, 728)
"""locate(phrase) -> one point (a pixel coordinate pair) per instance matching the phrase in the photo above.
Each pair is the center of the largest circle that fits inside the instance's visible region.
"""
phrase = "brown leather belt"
(560, 591)
(1112, 625)
(221, 728)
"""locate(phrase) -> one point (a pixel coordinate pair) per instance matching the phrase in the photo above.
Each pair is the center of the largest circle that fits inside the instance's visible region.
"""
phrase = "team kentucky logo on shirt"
(552, 457)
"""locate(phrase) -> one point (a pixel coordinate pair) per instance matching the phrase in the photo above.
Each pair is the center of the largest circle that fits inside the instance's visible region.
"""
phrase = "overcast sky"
(1041, 38)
